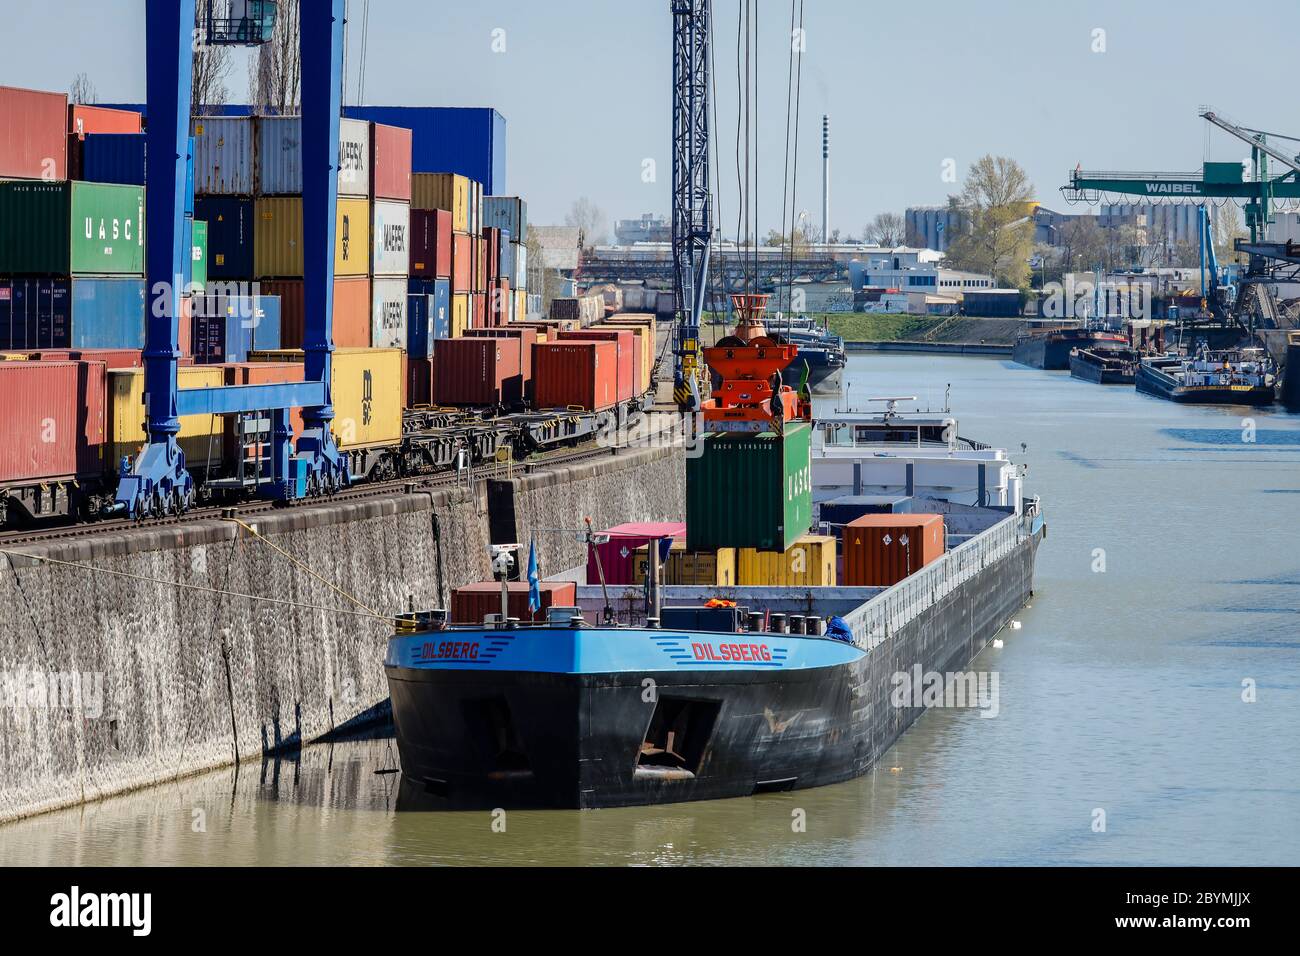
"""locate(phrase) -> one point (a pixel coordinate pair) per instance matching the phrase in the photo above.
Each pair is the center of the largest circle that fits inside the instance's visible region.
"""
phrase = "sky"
(586, 85)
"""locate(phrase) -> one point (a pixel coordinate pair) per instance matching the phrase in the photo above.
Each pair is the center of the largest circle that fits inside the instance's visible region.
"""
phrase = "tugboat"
(1050, 348)
(1244, 376)
(1105, 366)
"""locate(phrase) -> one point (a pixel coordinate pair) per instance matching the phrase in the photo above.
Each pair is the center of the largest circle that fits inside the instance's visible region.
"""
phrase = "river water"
(1122, 736)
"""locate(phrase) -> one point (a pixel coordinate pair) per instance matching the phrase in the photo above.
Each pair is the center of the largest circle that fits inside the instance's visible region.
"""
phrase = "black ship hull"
(1153, 381)
(1104, 368)
(1051, 350)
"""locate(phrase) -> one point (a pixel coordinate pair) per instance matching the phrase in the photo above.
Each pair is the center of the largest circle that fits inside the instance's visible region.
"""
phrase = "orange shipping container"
(578, 374)
(462, 263)
(629, 360)
(352, 308)
(100, 119)
(882, 549)
(261, 373)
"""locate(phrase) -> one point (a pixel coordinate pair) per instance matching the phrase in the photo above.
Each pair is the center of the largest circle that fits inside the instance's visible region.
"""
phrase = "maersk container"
(390, 236)
(230, 235)
(747, 490)
(113, 158)
(428, 317)
(279, 156)
(471, 142)
(33, 134)
(509, 213)
(60, 228)
(388, 313)
(224, 159)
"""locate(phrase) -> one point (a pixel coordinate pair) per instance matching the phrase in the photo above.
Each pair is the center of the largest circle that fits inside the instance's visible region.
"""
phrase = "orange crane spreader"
(751, 395)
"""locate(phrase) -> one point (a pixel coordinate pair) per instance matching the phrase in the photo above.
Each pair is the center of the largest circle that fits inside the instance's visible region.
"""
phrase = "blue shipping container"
(227, 327)
(35, 313)
(507, 212)
(107, 313)
(113, 158)
(230, 235)
(840, 511)
(428, 317)
(471, 142)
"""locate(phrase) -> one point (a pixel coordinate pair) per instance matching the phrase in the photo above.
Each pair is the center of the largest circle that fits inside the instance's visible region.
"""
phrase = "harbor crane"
(157, 482)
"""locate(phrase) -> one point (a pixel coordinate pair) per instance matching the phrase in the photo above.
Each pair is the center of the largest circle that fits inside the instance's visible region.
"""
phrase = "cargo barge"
(1050, 348)
(1232, 377)
(1105, 366)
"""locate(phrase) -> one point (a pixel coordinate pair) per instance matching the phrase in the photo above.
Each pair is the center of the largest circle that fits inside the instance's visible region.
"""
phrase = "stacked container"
(461, 199)
(390, 235)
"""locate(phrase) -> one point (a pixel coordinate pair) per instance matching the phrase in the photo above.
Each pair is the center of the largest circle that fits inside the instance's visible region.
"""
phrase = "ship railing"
(876, 621)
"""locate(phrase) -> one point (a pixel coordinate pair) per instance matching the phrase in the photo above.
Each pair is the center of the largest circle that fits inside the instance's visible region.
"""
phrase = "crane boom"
(1254, 137)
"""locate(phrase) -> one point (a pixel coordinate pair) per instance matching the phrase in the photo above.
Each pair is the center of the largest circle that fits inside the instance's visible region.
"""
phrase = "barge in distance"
(1105, 366)
(1233, 377)
(1049, 348)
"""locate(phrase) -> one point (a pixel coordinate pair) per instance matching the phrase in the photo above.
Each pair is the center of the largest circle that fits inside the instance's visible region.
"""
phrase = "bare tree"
(275, 71)
(590, 221)
(886, 229)
(212, 66)
(82, 91)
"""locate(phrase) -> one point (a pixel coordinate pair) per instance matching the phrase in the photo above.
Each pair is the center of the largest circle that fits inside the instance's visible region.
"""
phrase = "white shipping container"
(519, 277)
(224, 163)
(507, 212)
(388, 314)
(279, 156)
(390, 235)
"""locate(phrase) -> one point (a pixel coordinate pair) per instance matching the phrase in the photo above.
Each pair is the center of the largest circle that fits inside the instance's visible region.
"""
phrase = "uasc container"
(71, 227)
(882, 549)
(33, 134)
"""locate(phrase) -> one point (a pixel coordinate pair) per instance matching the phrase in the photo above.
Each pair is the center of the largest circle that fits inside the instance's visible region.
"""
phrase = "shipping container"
(526, 337)
(443, 191)
(54, 423)
(224, 159)
(644, 346)
(492, 249)
(259, 373)
(842, 510)
(575, 374)
(882, 549)
(478, 309)
(500, 302)
(617, 555)
(388, 313)
(33, 134)
(351, 316)
(419, 382)
(226, 328)
(585, 309)
(113, 158)
(627, 375)
(200, 435)
(519, 263)
(472, 603)
(462, 263)
(111, 358)
(277, 242)
(60, 228)
(505, 257)
(279, 153)
(84, 120)
(390, 162)
(431, 243)
(809, 562)
(521, 306)
(478, 373)
(108, 312)
(198, 233)
(509, 213)
(480, 256)
(230, 236)
(749, 490)
(682, 567)
(460, 313)
(390, 233)
(471, 142)
(428, 317)
(367, 386)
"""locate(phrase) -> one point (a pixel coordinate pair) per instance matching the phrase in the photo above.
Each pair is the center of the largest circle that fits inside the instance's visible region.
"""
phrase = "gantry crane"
(157, 481)
(692, 205)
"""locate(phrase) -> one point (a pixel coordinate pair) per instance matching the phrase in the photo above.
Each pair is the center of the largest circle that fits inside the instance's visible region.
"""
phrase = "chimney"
(826, 178)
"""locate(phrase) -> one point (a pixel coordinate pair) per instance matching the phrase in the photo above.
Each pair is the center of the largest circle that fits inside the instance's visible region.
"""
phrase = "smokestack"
(826, 178)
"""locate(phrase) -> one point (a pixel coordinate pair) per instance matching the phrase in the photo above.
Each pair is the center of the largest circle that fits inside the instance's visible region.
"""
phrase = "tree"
(212, 65)
(1225, 226)
(886, 229)
(590, 221)
(82, 91)
(996, 204)
(275, 70)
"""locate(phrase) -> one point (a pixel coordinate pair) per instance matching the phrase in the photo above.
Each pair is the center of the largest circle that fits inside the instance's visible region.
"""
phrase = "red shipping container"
(112, 358)
(185, 327)
(480, 264)
(578, 374)
(352, 310)
(54, 422)
(419, 382)
(390, 162)
(629, 360)
(481, 373)
(431, 243)
(500, 305)
(100, 119)
(876, 554)
(618, 554)
(527, 338)
(492, 249)
(478, 310)
(462, 262)
(33, 134)
(472, 603)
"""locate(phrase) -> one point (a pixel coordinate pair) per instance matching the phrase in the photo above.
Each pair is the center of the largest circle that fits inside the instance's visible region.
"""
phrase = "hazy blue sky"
(585, 87)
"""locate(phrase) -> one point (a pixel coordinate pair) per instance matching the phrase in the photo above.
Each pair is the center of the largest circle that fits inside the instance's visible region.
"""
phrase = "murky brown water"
(1121, 691)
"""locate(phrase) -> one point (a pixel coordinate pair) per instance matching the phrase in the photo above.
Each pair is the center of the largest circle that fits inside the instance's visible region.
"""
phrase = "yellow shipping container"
(521, 305)
(809, 562)
(460, 317)
(646, 319)
(707, 568)
(366, 386)
(447, 191)
(201, 436)
(277, 237)
(645, 350)
(13, 356)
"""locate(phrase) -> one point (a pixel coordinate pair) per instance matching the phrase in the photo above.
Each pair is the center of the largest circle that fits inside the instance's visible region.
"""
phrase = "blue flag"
(534, 580)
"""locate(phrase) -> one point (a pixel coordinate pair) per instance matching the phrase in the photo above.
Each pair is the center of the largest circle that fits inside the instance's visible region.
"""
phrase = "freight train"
(74, 420)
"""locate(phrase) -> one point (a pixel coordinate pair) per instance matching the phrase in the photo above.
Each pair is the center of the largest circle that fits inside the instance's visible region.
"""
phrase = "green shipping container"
(750, 491)
(199, 254)
(71, 228)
